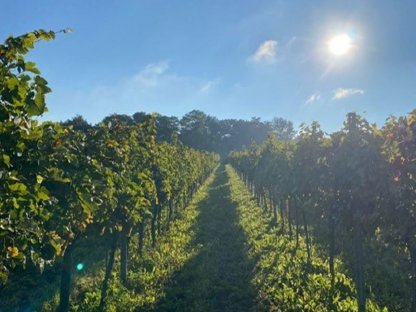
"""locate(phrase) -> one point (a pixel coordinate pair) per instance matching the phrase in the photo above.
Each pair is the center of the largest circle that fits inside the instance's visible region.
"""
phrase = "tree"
(77, 123)
(194, 131)
(282, 128)
(118, 119)
(167, 127)
(400, 151)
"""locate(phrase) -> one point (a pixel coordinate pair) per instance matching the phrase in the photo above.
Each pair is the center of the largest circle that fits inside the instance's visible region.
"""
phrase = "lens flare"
(80, 266)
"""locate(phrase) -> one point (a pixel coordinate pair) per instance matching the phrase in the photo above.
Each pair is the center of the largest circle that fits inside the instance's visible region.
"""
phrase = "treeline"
(60, 183)
(353, 193)
(204, 132)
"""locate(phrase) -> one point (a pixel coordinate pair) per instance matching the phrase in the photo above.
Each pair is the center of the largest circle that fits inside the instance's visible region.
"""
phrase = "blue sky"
(231, 59)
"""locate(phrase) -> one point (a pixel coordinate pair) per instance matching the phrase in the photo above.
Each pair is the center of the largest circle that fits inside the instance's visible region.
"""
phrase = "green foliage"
(205, 132)
(150, 274)
(283, 276)
(352, 192)
(22, 196)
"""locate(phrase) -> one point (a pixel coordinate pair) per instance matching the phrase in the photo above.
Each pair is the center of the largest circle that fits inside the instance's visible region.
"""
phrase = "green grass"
(218, 278)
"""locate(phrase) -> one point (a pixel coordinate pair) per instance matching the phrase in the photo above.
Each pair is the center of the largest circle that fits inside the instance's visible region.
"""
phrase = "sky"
(230, 59)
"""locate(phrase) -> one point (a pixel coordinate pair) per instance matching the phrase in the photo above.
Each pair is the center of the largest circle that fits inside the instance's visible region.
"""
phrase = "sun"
(340, 44)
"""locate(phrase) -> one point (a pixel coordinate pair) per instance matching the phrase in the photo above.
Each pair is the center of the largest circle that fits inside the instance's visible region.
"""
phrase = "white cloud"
(209, 85)
(266, 52)
(313, 98)
(342, 93)
(149, 76)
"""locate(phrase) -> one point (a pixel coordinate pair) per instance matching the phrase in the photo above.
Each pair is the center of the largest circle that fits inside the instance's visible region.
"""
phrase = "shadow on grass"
(219, 277)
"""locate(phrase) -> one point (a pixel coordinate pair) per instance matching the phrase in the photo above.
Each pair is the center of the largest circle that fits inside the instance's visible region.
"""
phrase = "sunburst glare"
(340, 44)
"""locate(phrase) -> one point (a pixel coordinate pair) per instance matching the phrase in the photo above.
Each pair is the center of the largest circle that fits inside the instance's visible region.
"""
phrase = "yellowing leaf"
(12, 251)
(39, 179)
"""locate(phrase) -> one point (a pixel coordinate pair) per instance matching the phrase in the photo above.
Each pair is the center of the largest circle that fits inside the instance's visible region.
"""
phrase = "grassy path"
(219, 277)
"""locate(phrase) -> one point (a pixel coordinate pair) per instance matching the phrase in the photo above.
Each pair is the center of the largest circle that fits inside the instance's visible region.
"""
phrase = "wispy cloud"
(313, 98)
(342, 93)
(291, 42)
(209, 85)
(266, 52)
(149, 76)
